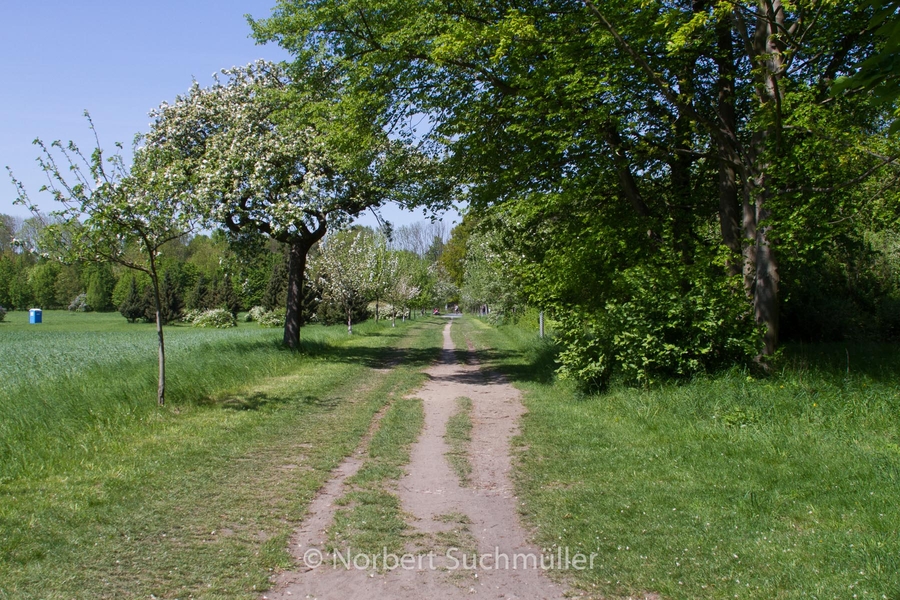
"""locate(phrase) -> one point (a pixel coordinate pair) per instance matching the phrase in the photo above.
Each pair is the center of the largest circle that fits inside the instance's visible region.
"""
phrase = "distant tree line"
(215, 270)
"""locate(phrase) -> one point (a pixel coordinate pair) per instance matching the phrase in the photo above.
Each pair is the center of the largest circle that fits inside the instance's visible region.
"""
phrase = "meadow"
(104, 495)
(732, 485)
(727, 486)
(76, 377)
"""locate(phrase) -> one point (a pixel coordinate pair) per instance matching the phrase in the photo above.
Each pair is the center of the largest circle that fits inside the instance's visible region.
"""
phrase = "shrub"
(191, 315)
(2, 313)
(80, 304)
(658, 327)
(583, 357)
(218, 318)
(272, 318)
(255, 313)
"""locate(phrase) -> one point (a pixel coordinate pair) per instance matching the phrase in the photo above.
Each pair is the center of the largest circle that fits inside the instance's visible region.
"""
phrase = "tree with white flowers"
(109, 210)
(273, 156)
(344, 269)
(402, 288)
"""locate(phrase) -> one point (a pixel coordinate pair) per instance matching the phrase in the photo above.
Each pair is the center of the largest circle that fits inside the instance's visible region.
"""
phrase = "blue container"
(35, 315)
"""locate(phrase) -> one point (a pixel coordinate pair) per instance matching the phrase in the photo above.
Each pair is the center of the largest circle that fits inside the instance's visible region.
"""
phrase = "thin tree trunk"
(765, 285)
(349, 319)
(161, 390)
(623, 170)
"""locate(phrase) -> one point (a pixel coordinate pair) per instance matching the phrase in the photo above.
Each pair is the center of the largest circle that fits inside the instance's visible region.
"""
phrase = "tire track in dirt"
(437, 505)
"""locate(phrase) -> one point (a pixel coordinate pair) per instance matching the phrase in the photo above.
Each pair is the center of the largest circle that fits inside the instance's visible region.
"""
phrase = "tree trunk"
(766, 289)
(623, 170)
(161, 390)
(296, 270)
(349, 319)
(729, 205)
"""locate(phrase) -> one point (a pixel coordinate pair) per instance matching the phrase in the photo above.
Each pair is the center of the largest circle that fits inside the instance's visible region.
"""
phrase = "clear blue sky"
(116, 59)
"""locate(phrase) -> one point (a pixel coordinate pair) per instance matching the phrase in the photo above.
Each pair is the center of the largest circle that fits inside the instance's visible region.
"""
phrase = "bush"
(658, 327)
(191, 315)
(80, 304)
(272, 318)
(218, 318)
(2, 313)
(255, 313)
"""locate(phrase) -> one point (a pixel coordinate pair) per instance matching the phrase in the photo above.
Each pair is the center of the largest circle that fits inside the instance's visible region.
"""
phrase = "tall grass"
(197, 499)
(725, 486)
(77, 379)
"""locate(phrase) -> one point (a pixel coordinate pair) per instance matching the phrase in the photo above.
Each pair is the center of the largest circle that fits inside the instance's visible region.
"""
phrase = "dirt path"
(454, 524)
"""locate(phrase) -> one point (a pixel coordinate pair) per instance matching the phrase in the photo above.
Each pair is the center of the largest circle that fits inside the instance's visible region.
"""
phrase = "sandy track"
(436, 505)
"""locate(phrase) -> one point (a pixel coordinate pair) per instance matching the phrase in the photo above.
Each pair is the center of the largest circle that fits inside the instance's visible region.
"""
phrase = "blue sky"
(118, 60)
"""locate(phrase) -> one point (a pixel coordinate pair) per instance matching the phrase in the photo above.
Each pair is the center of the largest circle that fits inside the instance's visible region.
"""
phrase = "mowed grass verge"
(197, 499)
(723, 487)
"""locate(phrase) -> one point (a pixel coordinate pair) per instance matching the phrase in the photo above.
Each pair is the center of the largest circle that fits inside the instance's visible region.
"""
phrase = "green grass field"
(723, 487)
(103, 495)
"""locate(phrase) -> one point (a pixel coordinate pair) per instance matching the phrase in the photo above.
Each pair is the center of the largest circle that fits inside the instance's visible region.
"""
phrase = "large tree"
(277, 157)
(632, 124)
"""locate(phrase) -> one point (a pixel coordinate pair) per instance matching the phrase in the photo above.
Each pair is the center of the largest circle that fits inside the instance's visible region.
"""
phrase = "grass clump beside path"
(198, 499)
(458, 436)
(723, 487)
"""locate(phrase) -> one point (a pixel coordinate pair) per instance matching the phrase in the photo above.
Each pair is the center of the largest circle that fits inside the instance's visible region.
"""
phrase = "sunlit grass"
(726, 486)
(77, 377)
(197, 499)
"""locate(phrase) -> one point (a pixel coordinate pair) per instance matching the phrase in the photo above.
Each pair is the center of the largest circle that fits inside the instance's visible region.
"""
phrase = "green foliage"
(625, 134)
(275, 294)
(132, 306)
(453, 258)
(658, 324)
(70, 282)
(217, 318)
(583, 357)
(877, 74)
(42, 279)
(100, 286)
(2, 313)
(227, 297)
(488, 277)
(199, 296)
(19, 291)
(171, 303)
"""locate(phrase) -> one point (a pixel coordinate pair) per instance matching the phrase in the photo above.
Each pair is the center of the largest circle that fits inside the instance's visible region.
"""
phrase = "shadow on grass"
(264, 400)
(535, 363)
(877, 361)
(532, 363)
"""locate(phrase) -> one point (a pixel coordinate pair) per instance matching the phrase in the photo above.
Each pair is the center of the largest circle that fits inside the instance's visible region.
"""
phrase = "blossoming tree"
(272, 156)
(345, 269)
